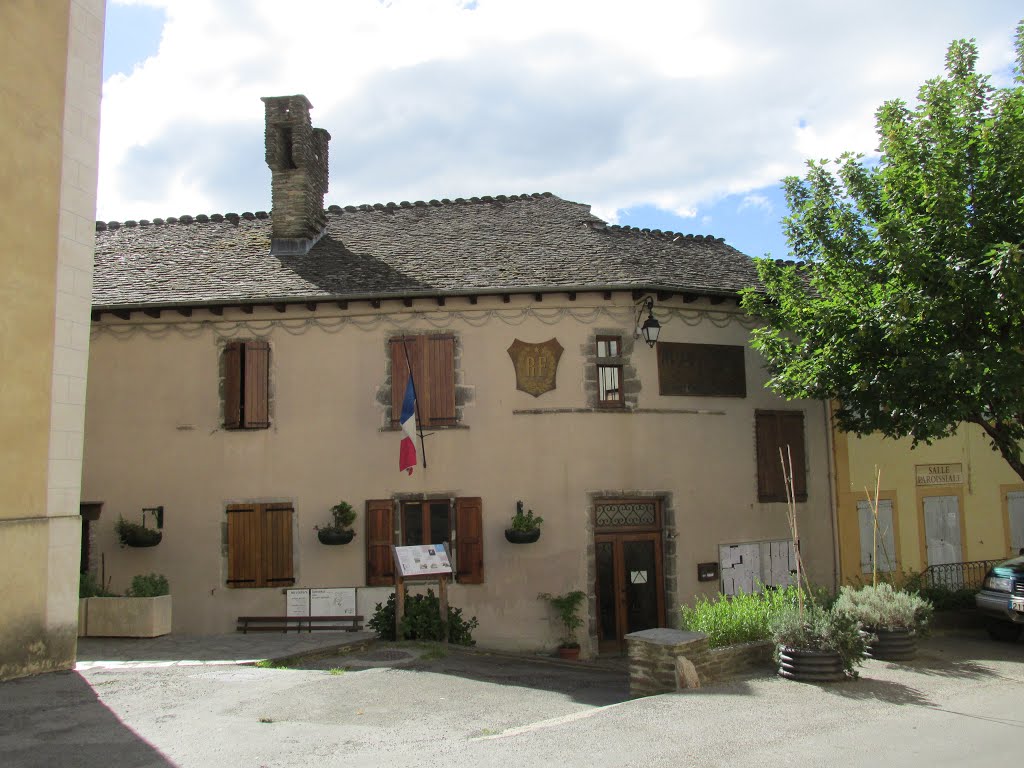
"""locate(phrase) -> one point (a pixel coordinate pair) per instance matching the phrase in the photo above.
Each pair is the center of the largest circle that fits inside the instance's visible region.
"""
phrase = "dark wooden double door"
(630, 586)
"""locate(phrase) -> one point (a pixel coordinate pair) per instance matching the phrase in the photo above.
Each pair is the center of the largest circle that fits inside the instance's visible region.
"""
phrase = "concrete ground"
(958, 704)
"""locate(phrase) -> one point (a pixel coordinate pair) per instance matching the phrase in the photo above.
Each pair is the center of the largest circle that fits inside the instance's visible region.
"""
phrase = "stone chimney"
(297, 156)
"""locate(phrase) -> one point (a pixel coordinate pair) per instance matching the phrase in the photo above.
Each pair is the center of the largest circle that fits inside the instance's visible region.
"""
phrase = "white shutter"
(886, 536)
(942, 529)
(1015, 510)
(740, 566)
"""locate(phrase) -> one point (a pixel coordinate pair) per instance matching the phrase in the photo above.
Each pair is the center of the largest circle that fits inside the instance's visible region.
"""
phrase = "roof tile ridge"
(657, 234)
(392, 206)
(202, 218)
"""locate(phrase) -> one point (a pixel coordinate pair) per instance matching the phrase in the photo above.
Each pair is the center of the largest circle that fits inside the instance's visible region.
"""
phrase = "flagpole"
(416, 403)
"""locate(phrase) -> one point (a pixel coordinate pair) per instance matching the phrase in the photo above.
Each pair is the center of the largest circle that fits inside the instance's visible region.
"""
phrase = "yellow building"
(50, 79)
(953, 502)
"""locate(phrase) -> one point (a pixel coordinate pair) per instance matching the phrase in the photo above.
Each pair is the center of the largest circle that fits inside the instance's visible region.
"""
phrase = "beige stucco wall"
(153, 437)
(987, 478)
(50, 71)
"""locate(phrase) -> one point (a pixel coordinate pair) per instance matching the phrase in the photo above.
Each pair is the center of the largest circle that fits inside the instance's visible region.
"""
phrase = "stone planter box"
(124, 616)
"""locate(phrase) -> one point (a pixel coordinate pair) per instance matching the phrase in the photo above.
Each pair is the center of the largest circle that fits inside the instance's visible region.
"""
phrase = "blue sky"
(678, 115)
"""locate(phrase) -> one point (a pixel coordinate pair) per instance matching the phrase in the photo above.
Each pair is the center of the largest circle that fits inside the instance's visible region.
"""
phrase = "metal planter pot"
(893, 645)
(810, 666)
(521, 537)
(334, 536)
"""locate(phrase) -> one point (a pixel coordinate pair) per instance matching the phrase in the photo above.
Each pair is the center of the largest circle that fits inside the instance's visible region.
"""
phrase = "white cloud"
(759, 202)
(657, 102)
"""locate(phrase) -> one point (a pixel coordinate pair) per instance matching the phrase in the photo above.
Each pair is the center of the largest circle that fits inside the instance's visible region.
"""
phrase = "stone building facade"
(240, 390)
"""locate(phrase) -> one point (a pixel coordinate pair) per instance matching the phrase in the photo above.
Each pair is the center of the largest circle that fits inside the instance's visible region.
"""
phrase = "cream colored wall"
(50, 59)
(983, 516)
(153, 437)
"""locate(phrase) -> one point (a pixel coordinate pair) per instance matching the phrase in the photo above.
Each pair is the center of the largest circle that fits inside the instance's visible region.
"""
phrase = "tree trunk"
(1004, 441)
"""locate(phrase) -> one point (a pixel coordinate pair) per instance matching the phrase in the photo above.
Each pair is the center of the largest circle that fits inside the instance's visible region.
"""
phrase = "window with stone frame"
(457, 523)
(610, 381)
(245, 366)
(609, 371)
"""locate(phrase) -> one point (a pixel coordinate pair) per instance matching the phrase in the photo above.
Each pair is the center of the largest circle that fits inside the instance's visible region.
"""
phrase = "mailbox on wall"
(707, 571)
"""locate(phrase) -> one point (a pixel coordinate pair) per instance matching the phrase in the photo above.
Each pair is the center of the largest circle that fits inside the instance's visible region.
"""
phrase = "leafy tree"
(908, 305)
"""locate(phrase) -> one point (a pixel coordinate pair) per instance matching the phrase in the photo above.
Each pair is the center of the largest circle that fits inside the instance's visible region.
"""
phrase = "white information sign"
(297, 602)
(332, 602)
(423, 560)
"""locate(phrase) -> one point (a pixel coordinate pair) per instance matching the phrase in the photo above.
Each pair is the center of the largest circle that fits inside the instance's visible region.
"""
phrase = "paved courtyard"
(957, 704)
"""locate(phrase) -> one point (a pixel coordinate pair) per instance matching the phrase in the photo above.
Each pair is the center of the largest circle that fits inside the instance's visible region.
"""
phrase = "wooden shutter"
(433, 368)
(469, 540)
(243, 545)
(439, 367)
(791, 433)
(380, 527)
(256, 402)
(769, 470)
(233, 385)
(276, 550)
(775, 430)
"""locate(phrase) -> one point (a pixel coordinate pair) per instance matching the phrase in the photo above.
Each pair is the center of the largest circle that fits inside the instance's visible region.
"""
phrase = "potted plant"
(340, 531)
(136, 535)
(894, 617)
(566, 607)
(144, 611)
(814, 644)
(525, 527)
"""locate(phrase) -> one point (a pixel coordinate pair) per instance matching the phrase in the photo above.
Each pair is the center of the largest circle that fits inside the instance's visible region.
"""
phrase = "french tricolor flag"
(407, 451)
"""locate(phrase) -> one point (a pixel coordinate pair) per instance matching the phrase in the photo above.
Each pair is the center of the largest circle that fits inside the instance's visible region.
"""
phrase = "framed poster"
(422, 560)
(332, 602)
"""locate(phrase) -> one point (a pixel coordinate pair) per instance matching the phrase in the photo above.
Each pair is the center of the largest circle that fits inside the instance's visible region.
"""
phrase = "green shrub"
(150, 585)
(941, 597)
(821, 629)
(884, 607)
(741, 618)
(89, 586)
(133, 534)
(422, 620)
(525, 521)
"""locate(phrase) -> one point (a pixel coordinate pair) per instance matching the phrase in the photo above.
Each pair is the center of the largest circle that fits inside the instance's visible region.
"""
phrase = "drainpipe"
(833, 493)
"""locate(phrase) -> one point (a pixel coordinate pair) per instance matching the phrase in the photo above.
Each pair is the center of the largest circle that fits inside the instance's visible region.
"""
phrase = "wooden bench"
(298, 623)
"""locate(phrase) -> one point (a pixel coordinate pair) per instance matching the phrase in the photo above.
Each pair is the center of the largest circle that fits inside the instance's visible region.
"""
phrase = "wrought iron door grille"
(626, 514)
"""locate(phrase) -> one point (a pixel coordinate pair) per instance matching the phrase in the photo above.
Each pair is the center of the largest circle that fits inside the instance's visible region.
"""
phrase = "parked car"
(1001, 599)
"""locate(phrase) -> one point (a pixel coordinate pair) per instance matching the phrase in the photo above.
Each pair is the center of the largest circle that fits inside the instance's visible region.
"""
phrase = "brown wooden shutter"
(233, 385)
(400, 372)
(433, 369)
(791, 433)
(775, 430)
(256, 403)
(276, 554)
(469, 540)
(440, 380)
(380, 527)
(243, 551)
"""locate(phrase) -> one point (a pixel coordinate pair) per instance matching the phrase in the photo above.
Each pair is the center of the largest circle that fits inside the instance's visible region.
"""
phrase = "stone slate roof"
(521, 243)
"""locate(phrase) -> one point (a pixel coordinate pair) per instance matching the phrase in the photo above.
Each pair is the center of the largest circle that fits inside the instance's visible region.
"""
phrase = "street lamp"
(651, 327)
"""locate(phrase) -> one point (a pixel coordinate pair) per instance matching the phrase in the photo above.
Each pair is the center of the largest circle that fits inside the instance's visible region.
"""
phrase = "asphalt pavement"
(958, 703)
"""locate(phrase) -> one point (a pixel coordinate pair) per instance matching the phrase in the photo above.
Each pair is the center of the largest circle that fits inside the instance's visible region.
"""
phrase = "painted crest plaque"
(536, 365)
